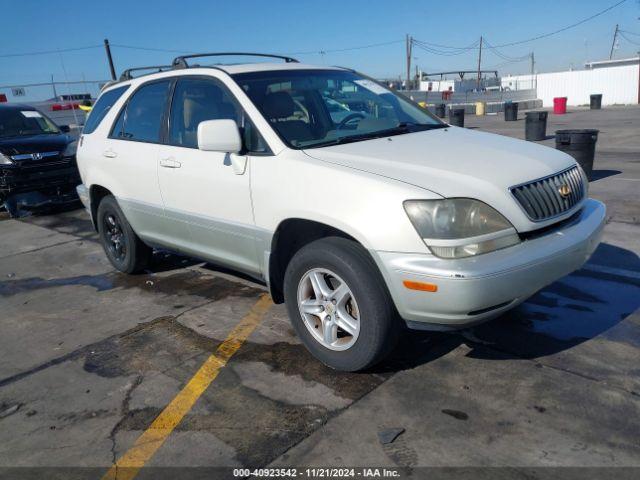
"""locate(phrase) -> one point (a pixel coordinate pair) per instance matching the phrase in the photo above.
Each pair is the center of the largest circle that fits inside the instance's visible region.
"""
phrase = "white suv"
(360, 210)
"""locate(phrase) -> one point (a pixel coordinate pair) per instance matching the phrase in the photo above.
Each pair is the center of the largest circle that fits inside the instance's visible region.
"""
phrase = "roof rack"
(180, 62)
(126, 75)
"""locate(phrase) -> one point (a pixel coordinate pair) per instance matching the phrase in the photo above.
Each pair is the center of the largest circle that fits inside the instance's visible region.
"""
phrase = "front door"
(200, 190)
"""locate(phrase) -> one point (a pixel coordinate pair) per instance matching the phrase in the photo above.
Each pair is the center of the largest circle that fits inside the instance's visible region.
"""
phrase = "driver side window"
(196, 100)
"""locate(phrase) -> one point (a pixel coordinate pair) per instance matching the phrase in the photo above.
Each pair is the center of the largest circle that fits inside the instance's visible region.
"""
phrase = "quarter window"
(141, 119)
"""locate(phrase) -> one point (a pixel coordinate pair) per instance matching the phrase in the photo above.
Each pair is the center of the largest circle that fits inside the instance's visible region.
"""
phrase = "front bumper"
(47, 177)
(475, 289)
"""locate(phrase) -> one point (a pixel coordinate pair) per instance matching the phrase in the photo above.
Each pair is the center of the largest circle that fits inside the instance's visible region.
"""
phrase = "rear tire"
(124, 249)
(336, 279)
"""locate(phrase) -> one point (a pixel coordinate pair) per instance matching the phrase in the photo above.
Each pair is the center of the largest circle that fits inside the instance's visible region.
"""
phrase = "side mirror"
(219, 136)
(64, 128)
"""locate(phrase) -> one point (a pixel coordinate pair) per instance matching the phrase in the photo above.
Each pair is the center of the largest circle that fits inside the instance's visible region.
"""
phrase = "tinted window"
(141, 119)
(102, 107)
(194, 101)
(253, 141)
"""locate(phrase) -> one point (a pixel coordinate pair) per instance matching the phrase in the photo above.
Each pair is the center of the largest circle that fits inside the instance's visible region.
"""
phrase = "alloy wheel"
(329, 309)
(114, 237)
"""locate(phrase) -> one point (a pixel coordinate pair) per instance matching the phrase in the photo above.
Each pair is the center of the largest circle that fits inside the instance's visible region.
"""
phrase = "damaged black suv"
(37, 160)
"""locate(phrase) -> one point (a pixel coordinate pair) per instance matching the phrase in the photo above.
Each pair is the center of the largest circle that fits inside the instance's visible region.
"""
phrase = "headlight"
(70, 149)
(460, 227)
(5, 160)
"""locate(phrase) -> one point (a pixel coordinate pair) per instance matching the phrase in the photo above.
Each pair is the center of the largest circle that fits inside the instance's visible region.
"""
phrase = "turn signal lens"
(421, 286)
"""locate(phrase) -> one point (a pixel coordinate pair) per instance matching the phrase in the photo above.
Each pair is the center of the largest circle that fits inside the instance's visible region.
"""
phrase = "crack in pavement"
(38, 249)
(124, 409)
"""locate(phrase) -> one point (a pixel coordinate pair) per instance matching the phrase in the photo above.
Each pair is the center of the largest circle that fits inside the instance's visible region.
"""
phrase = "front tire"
(339, 305)
(124, 249)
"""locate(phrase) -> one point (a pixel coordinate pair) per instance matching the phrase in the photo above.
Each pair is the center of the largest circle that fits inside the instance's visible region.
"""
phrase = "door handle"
(170, 162)
(109, 154)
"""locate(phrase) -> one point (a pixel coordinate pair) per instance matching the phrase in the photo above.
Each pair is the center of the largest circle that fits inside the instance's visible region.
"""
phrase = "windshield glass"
(312, 108)
(17, 123)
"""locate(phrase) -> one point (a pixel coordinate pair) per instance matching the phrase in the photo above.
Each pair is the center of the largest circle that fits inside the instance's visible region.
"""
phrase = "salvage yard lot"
(90, 357)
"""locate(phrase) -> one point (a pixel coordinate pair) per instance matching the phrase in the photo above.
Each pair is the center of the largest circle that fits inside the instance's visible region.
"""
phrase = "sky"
(291, 27)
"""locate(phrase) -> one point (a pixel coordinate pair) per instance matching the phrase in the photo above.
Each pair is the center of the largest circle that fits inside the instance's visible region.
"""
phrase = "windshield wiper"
(417, 127)
(400, 128)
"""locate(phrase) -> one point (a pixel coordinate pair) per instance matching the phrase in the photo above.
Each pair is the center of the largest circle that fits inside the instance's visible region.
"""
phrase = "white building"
(616, 80)
(618, 62)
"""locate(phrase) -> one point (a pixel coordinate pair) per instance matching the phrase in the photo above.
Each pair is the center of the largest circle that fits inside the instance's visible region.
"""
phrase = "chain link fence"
(58, 100)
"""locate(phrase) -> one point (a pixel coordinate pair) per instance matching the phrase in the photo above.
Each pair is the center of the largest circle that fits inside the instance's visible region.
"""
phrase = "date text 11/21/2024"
(317, 472)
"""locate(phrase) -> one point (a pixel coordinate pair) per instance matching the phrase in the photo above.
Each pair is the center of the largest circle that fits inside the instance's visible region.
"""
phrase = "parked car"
(37, 160)
(401, 221)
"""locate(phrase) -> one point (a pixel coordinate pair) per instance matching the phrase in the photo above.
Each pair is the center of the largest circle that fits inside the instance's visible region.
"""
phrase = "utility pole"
(409, 46)
(613, 44)
(110, 59)
(479, 64)
(53, 85)
(639, 77)
(533, 63)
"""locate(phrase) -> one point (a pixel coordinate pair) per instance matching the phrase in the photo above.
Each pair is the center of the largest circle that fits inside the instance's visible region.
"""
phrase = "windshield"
(17, 123)
(312, 108)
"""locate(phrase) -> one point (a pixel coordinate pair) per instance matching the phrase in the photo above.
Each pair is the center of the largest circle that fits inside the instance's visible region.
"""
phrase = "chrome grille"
(34, 156)
(542, 199)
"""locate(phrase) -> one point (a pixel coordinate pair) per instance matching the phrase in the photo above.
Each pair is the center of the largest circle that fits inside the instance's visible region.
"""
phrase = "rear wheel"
(124, 249)
(339, 305)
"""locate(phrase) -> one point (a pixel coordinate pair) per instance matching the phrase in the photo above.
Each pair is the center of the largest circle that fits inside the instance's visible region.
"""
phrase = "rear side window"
(102, 107)
(141, 119)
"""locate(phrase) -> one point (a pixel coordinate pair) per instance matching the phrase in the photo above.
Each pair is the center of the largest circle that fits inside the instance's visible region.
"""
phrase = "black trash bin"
(595, 101)
(580, 144)
(535, 127)
(440, 110)
(510, 111)
(456, 117)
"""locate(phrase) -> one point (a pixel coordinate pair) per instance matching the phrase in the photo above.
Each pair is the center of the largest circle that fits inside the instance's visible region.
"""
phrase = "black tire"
(380, 325)
(134, 255)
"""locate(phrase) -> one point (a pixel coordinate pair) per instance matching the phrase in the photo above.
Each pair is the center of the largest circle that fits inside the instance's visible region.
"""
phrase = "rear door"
(200, 190)
(131, 153)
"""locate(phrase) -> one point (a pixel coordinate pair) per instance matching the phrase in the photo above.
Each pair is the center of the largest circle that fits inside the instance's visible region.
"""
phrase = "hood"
(454, 162)
(34, 143)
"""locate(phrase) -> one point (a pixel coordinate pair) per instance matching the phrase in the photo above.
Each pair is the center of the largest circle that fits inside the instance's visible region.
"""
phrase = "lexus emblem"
(564, 190)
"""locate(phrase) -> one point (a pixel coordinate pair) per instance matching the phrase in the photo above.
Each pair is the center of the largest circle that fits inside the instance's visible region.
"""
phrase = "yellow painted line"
(151, 440)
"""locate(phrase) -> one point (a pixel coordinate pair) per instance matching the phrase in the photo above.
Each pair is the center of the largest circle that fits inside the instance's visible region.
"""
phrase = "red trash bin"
(560, 105)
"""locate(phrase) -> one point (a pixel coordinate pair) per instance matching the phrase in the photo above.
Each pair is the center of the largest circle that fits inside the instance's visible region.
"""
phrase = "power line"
(622, 34)
(538, 37)
(336, 50)
(427, 46)
(150, 49)
(48, 52)
(503, 55)
(437, 46)
(545, 35)
(308, 52)
(504, 64)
